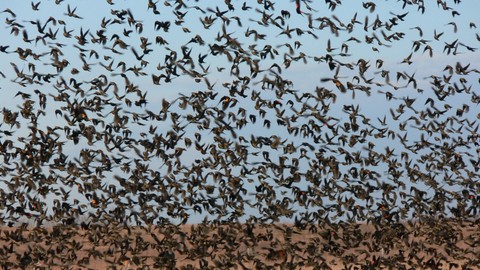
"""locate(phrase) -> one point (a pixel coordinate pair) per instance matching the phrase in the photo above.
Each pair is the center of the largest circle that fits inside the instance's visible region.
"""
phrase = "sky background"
(305, 76)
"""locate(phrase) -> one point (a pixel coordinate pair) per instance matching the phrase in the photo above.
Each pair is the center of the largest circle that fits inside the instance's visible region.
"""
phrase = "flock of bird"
(106, 159)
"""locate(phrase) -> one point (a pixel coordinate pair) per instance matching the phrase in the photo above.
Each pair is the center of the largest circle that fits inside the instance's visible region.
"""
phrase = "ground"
(431, 244)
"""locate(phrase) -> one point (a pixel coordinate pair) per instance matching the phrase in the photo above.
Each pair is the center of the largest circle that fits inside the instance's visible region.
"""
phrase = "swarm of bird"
(193, 135)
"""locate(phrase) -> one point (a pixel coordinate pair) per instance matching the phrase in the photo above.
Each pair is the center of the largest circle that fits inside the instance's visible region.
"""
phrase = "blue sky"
(305, 76)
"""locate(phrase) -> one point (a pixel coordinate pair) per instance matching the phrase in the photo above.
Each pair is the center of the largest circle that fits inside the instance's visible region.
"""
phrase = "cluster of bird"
(110, 144)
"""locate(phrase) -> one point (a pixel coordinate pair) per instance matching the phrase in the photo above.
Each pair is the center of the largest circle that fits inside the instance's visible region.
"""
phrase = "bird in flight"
(297, 6)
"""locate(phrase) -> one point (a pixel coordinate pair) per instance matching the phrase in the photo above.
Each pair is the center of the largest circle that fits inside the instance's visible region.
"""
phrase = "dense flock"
(239, 134)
